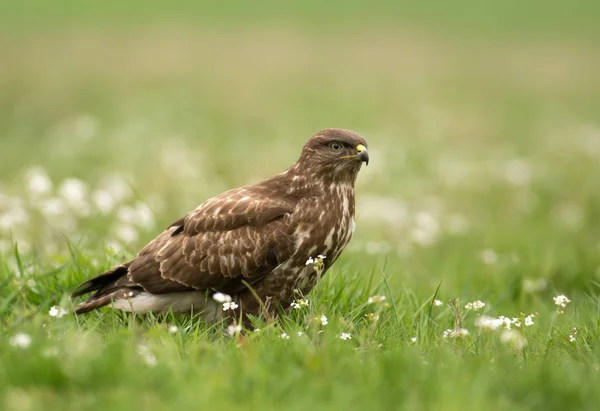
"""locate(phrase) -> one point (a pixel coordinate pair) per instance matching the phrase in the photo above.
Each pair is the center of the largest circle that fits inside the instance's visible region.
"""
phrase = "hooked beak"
(362, 154)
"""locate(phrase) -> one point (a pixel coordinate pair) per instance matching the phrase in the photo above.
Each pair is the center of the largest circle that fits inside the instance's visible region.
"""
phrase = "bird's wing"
(242, 234)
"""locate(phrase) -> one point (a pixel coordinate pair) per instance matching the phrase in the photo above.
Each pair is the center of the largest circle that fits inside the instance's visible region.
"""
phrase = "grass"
(483, 180)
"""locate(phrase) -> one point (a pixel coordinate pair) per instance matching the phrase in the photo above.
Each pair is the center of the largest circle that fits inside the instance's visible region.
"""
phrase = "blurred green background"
(483, 123)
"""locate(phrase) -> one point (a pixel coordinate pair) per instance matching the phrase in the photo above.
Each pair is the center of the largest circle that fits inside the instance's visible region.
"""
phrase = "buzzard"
(251, 243)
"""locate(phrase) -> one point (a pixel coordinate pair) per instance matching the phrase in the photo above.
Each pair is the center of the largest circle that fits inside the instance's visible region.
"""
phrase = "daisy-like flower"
(284, 336)
(345, 336)
(475, 305)
(561, 300)
(221, 298)
(230, 305)
(437, 303)
(20, 340)
(233, 329)
(58, 312)
(376, 299)
(323, 320)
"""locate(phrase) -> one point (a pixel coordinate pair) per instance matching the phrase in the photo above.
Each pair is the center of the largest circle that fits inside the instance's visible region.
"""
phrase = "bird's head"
(335, 153)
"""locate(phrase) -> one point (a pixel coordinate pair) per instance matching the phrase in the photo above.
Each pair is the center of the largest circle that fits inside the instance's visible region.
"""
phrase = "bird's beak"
(362, 154)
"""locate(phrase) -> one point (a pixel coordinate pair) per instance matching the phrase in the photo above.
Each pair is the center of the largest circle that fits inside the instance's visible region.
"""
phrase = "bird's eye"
(335, 146)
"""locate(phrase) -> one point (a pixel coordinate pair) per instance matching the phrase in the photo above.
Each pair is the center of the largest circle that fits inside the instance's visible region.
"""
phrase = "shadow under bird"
(251, 243)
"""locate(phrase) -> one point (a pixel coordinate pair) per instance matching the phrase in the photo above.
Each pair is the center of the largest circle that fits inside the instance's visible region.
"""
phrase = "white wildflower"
(230, 305)
(233, 329)
(531, 286)
(298, 304)
(144, 215)
(437, 303)
(506, 321)
(300, 333)
(561, 301)
(173, 329)
(221, 298)
(103, 201)
(461, 332)
(147, 355)
(529, 321)
(475, 305)
(117, 187)
(323, 320)
(376, 299)
(513, 338)
(284, 336)
(489, 257)
(52, 207)
(20, 340)
(114, 247)
(75, 191)
(516, 322)
(58, 312)
(517, 172)
(38, 182)
(12, 218)
(488, 322)
(345, 336)
(426, 230)
(310, 261)
(573, 334)
(413, 340)
(127, 233)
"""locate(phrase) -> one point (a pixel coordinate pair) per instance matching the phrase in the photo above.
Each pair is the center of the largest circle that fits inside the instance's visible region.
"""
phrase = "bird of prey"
(251, 243)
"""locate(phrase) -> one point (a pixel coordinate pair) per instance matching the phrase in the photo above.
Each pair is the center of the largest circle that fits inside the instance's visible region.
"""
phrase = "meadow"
(472, 280)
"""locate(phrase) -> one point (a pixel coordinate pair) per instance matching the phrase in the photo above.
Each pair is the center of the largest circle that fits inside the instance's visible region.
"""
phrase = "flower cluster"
(561, 300)
(345, 336)
(376, 299)
(229, 305)
(58, 312)
(492, 323)
(459, 332)
(475, 305)
(297, 304)
(317, 262)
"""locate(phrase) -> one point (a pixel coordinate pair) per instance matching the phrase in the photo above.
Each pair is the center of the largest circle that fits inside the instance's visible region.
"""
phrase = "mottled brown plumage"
(258, 236)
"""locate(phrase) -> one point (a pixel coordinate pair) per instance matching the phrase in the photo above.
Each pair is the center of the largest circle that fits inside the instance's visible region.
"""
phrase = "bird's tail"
(105, 288)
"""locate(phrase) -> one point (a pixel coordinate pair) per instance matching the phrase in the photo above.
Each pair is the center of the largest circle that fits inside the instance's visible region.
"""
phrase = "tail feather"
(105, 288)
(101, 281)
(95, 302)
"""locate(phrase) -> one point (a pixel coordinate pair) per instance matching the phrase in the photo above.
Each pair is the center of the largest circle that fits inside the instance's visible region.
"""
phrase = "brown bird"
(251, 243)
